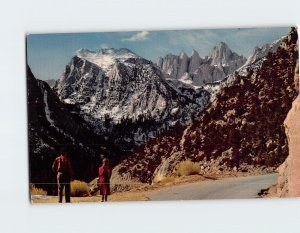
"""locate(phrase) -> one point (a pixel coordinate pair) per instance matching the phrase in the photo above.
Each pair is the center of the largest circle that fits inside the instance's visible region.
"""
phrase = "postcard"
(163, 115)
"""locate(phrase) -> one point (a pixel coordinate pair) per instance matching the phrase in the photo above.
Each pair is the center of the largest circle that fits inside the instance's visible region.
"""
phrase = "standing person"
(104, 177)
(62, 166)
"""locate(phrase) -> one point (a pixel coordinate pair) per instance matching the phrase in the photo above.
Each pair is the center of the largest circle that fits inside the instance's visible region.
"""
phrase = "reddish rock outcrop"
(289, 173)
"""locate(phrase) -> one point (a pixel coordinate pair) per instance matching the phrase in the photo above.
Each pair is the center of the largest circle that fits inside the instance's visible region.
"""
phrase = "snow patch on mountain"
(186, 78)
(105, 58)
(47, 111)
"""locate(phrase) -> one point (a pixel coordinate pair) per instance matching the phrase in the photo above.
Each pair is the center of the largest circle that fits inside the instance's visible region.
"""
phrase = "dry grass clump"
(187, 168)
(37, 191)
(167, 180)
(79, 189)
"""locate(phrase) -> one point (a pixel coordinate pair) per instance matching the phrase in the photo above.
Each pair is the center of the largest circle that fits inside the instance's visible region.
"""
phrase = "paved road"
(229, 188)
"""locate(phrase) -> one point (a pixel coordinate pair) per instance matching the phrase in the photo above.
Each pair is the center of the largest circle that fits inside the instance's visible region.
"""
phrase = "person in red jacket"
(62, 166)
(104, 177)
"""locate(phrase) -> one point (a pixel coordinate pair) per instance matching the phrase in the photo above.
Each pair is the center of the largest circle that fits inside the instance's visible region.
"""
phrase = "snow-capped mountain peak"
(105, 58)
(116, 86)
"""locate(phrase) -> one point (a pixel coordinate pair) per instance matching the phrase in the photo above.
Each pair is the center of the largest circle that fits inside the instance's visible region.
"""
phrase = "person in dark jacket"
(62, 166)
(104, 179)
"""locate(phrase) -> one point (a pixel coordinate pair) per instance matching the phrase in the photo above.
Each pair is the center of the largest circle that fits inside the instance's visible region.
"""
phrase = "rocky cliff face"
(223, 57)
(198, 71)
(289, 175)
(242, 130)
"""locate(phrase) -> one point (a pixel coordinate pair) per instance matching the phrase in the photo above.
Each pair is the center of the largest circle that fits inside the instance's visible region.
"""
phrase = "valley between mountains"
(222, 112)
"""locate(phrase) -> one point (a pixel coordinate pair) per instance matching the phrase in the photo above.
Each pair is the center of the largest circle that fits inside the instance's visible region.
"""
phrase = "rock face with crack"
(289, 175)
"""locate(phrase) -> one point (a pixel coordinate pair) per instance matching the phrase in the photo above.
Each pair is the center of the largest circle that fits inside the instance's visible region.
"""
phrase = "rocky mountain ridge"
(228, 135)
(198, 71)
(126, 90)
(260, 52)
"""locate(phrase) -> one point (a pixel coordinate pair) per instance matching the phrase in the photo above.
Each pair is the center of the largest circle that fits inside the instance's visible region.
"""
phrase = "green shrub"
(79, 189)
(187, 168)
(37, 191)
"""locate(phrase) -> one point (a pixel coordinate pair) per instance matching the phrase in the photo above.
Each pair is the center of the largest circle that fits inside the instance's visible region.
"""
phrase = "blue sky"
(48, 54)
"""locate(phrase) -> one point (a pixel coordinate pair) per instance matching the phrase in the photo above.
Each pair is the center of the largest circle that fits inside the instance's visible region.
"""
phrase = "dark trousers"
(63, 182)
